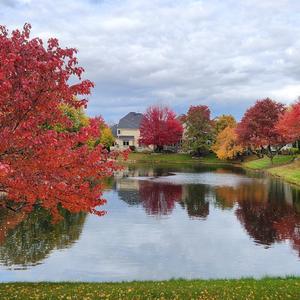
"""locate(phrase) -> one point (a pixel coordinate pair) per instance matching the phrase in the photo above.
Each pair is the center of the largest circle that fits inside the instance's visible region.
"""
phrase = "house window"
(119, 131)
(125, 143)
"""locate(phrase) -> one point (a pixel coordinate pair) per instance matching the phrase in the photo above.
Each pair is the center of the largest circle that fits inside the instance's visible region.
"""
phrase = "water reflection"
(159, 198)
(195, 200)
(267, 208)
(28, 238)
(222, 221)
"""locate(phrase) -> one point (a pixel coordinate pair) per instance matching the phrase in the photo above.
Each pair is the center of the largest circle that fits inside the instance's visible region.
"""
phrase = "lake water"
(162, 223)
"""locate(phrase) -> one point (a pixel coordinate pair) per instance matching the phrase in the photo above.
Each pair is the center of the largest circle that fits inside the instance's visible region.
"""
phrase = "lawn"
(171, 158)
(290, 172)
(267, 288)
(265, 163)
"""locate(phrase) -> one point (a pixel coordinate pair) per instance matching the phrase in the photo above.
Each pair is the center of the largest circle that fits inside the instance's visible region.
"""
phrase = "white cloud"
(138, 52)
(287, 92)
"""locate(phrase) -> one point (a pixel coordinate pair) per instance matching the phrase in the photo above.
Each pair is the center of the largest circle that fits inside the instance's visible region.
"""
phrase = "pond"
(162, 223)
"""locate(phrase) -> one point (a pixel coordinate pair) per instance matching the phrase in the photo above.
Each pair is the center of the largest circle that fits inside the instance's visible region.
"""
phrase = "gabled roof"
(131, 121)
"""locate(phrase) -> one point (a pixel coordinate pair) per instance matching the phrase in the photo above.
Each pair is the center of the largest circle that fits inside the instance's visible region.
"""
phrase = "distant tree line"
(264, 130)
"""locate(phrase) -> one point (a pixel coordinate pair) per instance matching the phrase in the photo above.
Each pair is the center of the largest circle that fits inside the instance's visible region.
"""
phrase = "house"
(127, 132)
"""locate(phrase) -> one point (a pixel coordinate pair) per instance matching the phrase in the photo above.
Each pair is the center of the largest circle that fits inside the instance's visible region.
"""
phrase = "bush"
(290, 151)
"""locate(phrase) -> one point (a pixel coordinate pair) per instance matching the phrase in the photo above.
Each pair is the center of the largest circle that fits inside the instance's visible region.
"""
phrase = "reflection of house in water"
(128, 191)
(132, 172)
(127, 187)
(159, 198)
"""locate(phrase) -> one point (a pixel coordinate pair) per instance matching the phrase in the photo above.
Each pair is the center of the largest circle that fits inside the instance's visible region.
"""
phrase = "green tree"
(199, 130)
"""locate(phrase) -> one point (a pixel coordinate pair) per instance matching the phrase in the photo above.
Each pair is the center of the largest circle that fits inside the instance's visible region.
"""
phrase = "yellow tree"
(226, 145)
(76, 115)
(106, 139)
(223, 121)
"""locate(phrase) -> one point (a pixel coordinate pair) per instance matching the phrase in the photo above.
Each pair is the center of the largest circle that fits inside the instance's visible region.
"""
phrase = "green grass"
(290, 172)
(268, 288)
(265, 163)
(170, 158)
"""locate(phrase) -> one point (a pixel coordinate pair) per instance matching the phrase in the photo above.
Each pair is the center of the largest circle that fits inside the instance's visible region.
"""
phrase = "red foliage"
(159, 198)
(160, 127)
(199, 113)
(257, 128)
(39, 165)
(289, 123)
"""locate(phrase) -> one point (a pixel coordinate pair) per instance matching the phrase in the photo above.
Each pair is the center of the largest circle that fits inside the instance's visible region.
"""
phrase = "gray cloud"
(225, 54)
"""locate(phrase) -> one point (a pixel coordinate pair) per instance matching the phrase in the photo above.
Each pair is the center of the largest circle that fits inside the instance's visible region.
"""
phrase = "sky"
(222, 53)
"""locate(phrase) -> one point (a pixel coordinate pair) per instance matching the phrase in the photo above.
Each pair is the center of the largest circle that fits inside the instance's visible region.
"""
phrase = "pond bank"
(172, 158)
(284, 166)
(267, 288)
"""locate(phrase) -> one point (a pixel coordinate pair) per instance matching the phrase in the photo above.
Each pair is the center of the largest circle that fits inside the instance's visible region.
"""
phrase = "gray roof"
(131, 121)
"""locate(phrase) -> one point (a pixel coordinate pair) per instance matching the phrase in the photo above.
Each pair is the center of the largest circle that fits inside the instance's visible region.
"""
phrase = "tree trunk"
(158, 149)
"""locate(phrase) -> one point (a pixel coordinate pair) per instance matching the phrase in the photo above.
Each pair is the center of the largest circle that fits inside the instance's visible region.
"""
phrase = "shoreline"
(285, 167)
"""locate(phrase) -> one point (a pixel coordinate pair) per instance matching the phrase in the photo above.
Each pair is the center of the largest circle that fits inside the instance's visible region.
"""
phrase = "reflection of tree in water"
(228, 196)
(35, 236)
(269, 213)
(260, 220)
(159, 198)
(8, 221)
(194, 200)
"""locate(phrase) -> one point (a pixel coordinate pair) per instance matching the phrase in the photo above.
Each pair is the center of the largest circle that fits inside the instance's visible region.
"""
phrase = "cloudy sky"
(223, 53)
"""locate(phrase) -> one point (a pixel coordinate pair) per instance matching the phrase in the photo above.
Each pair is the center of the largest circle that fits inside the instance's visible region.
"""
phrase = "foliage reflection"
(27, 239)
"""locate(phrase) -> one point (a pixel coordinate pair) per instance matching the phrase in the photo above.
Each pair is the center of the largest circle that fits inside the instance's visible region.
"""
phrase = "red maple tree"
(257, 129)
(160, 127)
(289, 123)
(38, 165)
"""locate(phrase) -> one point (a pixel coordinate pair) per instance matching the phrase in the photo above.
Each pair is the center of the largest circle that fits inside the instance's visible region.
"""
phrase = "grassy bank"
(290, 172)
(268, 288)
(170, 158)
(265, 163)
(284, 166)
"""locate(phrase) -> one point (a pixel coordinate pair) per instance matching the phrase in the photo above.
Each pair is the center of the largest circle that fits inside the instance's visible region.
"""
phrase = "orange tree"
(226, 145)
